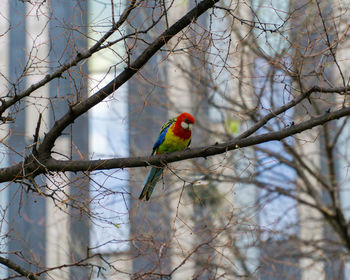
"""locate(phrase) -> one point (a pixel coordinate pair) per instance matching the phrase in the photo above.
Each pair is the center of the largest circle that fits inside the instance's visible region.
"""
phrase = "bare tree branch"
(77, 110)
(66, 66)
(10, 264)
(33, 167)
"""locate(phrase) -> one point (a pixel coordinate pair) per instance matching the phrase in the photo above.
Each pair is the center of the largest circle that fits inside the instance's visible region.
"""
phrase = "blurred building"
(34, 231)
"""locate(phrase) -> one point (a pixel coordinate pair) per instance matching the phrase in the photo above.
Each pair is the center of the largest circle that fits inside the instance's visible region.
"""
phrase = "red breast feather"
(178, 130)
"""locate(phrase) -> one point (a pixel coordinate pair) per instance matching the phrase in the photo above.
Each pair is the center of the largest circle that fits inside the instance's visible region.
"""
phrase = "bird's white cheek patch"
(190, 126)
(184, 125)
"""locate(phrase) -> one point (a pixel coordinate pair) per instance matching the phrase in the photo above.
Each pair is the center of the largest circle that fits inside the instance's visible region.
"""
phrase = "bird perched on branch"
(175, 135)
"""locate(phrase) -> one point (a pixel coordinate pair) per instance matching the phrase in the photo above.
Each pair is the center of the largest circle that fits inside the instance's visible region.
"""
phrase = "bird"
(175, 135)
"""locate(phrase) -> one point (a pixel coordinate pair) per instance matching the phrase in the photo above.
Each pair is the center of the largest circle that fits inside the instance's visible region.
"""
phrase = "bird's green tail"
(150, 182)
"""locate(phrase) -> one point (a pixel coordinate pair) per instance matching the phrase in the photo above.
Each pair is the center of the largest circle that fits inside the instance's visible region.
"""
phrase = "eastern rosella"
(175, 135)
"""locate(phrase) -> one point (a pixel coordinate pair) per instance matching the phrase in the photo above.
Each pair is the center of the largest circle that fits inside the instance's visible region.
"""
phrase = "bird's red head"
(186, 117)
(183, 125)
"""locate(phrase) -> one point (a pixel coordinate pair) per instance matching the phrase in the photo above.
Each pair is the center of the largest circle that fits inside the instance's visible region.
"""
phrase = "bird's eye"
(184, 125)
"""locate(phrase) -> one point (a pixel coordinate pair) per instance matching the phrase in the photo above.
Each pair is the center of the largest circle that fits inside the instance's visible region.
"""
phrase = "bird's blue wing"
(162, 134)
(160, 139)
